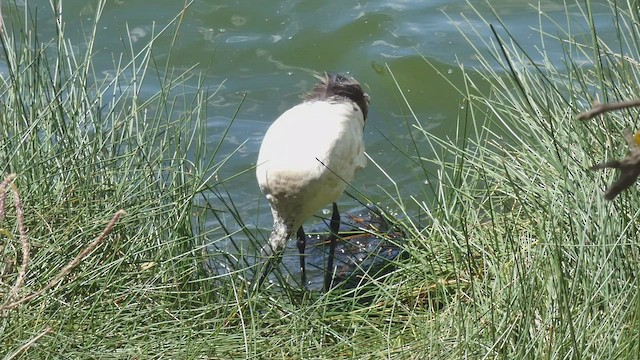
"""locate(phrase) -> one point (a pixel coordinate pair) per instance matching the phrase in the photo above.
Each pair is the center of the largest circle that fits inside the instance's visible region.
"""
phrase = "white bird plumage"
(310, 153)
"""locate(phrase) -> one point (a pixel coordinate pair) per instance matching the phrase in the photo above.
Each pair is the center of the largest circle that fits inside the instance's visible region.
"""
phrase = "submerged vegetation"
(520, 257)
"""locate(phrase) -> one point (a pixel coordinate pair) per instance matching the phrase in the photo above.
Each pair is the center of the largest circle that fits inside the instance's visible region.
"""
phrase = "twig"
(29, 343)
(630, 165)
(70, 266)
(26, 249)
(629, 168)
(1, 19)
(3, 193)
(598, 109)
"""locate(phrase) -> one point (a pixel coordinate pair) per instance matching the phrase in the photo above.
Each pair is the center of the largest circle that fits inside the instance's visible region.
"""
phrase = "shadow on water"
(369, 246)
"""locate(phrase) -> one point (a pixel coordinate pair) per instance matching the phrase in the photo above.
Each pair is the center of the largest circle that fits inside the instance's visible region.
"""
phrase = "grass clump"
(543, 265)
(83, 147)
(517, 255)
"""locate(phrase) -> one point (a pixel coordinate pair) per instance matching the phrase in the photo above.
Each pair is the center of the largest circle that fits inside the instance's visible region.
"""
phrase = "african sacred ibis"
(307, 158)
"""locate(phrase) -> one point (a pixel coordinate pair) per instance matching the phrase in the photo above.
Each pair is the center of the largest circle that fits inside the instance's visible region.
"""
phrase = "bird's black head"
(339, 87)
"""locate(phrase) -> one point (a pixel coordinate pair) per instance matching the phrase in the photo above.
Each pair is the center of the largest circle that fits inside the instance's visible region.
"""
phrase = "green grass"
(517, 256)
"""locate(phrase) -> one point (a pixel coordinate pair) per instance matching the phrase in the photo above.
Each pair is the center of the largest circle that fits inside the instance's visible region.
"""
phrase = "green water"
(268, 51)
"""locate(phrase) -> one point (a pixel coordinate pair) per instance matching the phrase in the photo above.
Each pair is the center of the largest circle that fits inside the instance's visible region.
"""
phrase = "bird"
(307, 157)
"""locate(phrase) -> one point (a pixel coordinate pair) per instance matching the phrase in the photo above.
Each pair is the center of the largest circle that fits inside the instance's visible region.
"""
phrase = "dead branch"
(26, 249)
(629, 168)
(29, 343)
(70, 266)
(598, 109)
(1, 20)
(3, 193)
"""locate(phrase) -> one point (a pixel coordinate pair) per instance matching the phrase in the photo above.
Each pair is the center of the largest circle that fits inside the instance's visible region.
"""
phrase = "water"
(268, 51)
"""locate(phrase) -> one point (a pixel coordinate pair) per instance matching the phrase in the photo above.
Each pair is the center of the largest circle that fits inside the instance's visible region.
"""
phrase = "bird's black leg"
(302, 243)
(334, 225)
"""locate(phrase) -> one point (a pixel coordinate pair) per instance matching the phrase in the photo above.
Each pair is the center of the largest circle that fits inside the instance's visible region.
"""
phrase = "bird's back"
(309, 154)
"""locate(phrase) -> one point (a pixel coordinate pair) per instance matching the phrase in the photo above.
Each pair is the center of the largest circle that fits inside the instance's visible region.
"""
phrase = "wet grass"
(516, 255)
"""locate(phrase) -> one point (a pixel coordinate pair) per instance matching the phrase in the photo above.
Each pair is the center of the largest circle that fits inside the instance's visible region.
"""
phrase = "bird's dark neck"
(338, 87)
